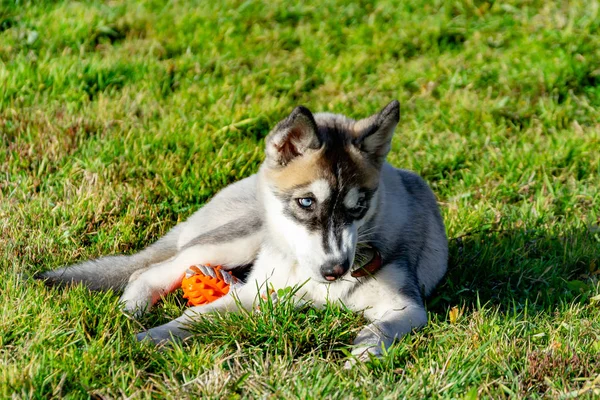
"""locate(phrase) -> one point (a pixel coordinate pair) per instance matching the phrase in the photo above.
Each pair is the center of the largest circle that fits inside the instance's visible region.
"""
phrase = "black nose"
(334, 270)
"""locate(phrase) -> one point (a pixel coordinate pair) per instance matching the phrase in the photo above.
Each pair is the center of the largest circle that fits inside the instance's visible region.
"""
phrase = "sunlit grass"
(118, 119)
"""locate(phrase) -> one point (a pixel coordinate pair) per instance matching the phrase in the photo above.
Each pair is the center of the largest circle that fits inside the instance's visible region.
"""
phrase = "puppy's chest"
(321, 293)
(280, 274)
(357, 294)
(318, 293)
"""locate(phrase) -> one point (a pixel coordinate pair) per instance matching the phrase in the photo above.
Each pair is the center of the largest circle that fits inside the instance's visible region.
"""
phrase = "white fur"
(295, 239)
(320, 188)
(351, 199)
(290, 237)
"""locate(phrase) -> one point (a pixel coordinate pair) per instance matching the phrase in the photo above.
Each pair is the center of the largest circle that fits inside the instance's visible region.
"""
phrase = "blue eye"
(306, 202)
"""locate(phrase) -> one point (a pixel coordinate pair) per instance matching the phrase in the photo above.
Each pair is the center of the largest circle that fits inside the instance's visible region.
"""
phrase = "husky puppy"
(322, 192)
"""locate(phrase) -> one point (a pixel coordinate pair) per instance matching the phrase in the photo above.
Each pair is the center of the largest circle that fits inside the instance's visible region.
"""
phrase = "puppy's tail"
(113, 272)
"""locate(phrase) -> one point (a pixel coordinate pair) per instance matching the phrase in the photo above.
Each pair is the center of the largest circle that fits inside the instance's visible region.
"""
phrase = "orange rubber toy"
(203, 284)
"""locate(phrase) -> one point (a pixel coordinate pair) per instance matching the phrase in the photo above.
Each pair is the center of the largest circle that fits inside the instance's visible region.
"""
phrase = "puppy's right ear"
(292, 137)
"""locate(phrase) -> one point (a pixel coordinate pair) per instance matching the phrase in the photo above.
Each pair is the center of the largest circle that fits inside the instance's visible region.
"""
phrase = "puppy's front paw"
(362, 354)
(164, 334)
(134, 308)
(368, 343)
(136, 299)
(157, 337)
(142, 336)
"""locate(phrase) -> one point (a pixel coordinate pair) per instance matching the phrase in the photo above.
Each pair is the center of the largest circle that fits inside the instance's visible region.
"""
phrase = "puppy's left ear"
(373, 135)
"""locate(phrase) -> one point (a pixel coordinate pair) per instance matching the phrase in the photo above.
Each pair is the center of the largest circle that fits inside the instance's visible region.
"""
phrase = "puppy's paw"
(134, 308)
(155, 337)
(164, 334)
(136, 299)
(361, 354)
(144, 336)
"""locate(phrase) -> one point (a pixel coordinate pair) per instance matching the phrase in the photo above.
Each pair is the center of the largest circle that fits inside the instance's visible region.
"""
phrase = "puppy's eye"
(361, 203)
(306, 202)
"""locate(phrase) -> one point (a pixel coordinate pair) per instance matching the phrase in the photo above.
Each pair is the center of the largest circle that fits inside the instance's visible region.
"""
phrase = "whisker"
(369, 229)
(364, 239)
(368, 232)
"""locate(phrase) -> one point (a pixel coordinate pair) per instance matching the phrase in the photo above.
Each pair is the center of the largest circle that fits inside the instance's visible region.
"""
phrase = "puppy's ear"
(292, 137)
(373, 135)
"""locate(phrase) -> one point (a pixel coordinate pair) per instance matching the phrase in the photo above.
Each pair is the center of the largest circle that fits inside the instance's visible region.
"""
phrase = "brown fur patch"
(299, 172)
(317, 165)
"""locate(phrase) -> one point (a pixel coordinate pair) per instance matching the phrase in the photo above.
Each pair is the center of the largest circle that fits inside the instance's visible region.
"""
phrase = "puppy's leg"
(162, 278)
(270, 269)
(113, 272)
(393, 314)
(243, 297)
(381, 333)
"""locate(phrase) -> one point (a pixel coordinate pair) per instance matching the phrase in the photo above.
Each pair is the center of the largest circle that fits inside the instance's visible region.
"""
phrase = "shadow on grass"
(515, 268)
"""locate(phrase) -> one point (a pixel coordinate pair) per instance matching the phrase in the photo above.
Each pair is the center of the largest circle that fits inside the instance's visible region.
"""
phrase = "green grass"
(118, 119)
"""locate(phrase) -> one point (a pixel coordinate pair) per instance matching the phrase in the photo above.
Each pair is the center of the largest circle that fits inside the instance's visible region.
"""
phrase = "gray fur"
(241, 227)
(113, 272)
(411, 228)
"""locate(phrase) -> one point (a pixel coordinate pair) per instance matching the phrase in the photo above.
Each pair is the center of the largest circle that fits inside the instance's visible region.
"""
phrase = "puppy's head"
(319, 185)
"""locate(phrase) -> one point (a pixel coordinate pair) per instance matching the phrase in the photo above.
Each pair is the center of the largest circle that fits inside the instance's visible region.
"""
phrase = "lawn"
(120, 118)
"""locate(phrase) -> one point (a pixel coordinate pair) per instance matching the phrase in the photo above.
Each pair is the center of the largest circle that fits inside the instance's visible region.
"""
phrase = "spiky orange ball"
(201, 288)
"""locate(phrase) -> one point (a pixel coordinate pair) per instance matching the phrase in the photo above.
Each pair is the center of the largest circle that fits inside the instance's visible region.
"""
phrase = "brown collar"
(369, 268)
